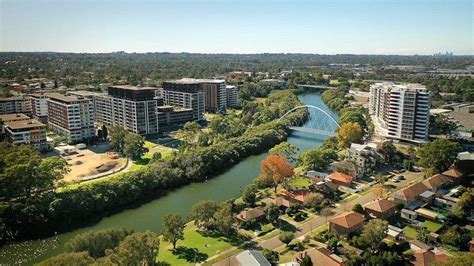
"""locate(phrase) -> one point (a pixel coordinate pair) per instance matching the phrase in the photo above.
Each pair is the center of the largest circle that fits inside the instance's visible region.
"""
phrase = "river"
(150, 216)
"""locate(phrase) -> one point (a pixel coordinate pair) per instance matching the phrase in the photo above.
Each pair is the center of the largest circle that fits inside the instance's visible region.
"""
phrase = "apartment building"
(129, 107)
(25, 131)
(231, 95)
(215, 94)
(186, 94)
(401, 109)
(12, 105)
(39, 106)
(71, 117)
(169, 115)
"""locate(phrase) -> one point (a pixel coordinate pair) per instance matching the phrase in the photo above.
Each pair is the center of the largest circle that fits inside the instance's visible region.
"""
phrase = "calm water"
(150, 215)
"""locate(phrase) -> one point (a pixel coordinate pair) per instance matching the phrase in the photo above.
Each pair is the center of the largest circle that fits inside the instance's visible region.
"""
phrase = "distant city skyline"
(404, 27)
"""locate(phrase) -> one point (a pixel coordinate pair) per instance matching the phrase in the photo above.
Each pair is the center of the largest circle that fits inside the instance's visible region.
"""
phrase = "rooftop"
(13, 117)
(381, 205)
(250, 214)
(323, 256)
(64, 98)
(411, 192)
(341, 177)
(24, 124)
(252, 258)
(348, 219)
(436, 181)
(195, 81)
(133, 88)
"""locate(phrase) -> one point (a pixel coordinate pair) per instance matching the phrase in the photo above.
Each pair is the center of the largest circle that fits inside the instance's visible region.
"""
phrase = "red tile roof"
(381, 205)
(322, 257)
(348, 219)
(453, 173)
(341, 177)
(411, 192)
(250, 214)
(436, 181)
(299, 195)
(427, 257)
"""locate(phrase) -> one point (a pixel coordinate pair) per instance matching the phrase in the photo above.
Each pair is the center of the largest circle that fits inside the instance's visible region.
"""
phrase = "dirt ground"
(92, 161)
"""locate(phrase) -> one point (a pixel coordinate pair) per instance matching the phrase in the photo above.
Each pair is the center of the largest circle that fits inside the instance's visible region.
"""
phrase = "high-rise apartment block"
(13, 105)
(129, 107)
(215, 94)
(401, 109)
(39, 106)
(186, 94)
(231, 95)
(71, 117)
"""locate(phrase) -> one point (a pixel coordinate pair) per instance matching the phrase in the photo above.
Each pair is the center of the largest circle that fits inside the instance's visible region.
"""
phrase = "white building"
(39, 105)
(401, 109)
(231, 95)
(71, 117)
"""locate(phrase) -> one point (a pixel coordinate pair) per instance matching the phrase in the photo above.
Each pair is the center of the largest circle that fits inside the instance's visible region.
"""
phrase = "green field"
(196, 247)
(300, 182)
(432, 226)
(410, 232)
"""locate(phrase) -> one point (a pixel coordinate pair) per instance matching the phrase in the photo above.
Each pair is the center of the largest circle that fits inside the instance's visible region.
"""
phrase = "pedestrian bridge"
(320, 122)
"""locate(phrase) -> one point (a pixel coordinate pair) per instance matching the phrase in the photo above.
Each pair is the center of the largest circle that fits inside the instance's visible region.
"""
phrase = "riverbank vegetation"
(58, 210)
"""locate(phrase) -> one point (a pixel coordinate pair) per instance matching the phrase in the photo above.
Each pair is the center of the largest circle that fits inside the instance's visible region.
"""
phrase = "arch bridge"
(320, 122)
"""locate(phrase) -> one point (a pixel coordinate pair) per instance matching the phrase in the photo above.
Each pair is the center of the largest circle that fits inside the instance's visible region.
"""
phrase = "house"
(321, 257)
(346, 223)
(437, 181)
(284, 202)
(394, 232)
(340, 179)
(428, 214)
(427, 196)
(426, 257)
(347, 167)
(251, 258)
(252, 214)
(298, 196)
(454, 174)
(381, 209)
(410, 194)
(408, 214)
(364, 156)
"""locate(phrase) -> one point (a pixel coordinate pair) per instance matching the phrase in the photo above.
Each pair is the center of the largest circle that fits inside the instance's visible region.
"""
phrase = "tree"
(286, 237)
(95, 243)
(271, 255)
(277, 169)
(388, 150)
(189, 132)
(423, 235)
(286, 150)
(358, 208)
(440, 124)
(224, 218)
(78, 258)
(317, 159)
(465, 206)
(306, 261)
(203, 213)
(117, 138)
(458, 259)
(349, 133)
(380, 179)
(249, 195)
(326, 212)
(100, 134)
(105, 132)
(457, 237)
(272, 213)
(438, 155)
(137, 249)
(155, 157)
(373, 233)
(173, 229)
(315, 202)
(134, 146)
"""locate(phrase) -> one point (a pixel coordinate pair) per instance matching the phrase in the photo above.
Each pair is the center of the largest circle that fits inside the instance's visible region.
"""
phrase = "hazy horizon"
(359, 27)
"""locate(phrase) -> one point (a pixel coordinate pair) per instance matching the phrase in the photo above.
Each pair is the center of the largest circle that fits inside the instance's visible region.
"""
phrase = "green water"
(149, 216)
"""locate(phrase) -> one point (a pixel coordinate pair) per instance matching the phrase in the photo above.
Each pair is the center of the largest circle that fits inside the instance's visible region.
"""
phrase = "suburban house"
(251, 258)
(340, 179)
(408, 214)
(381, 209)
(347, 167)
(364, 156)
(437, 181)
(410, 194)
(252, 214)
(346, 223)
(298, 196)
(454, 174)
(429, 256)
(284, 202)
(321, 257)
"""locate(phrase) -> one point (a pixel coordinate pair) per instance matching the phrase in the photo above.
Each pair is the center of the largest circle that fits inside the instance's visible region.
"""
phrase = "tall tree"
(224, 218)
(438, 155)
(373, 233)
(349, 133)
(173, 229)
(134, 146)
(137, 249)
(203, 213)
(95, 243)
(317, 159)
(117, 138)
(286, 237)
(277, 169)
(105, 132)
(272, 213)
(286, 150)
(249, 195)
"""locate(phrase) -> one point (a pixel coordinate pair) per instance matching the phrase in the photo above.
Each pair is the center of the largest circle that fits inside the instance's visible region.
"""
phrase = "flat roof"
(86, 93)
(195, 81)
(13, 117)
(24, 124)
(64, 98)
(130, 87)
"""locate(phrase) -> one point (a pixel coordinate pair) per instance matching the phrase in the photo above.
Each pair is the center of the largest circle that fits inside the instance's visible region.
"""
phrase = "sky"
(218, 26)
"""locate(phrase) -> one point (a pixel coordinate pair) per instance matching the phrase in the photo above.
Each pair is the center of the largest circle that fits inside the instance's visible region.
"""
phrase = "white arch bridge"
(320, 122)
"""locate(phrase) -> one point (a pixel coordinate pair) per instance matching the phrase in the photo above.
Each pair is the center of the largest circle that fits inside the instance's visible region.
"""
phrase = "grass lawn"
(334, 82)
(410, 232)
(300, 182)
(432, 226)
(195, 247)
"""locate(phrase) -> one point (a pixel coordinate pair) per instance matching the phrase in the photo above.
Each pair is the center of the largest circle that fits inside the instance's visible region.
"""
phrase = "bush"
(271, 255)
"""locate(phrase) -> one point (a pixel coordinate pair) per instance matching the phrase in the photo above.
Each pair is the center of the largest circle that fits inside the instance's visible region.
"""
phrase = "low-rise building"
(346, 223)
(382, 209)
(13, 105)
(29, 132)
(365, 157)
(425, 257)
(252, 214)
(321, 257)
(340, 179)
(250, 258)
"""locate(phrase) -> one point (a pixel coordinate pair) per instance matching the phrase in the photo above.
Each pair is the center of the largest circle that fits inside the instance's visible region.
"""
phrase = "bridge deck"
(313, 131)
